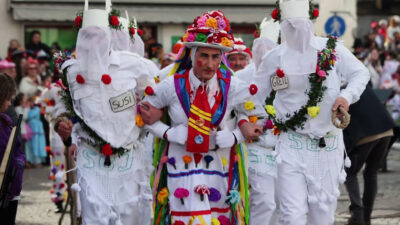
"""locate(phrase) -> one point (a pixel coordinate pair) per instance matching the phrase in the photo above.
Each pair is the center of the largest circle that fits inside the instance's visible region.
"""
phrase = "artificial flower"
(114, 20)
(132, 31)
(321, 74)
(184, 37)
(315, 13)
(275, 14)
(313, 111)
(140, 32)
(106, 150)
(249, 105)
(280, 73)
(208, 159)
(181, 193)
(221, 24)
(234, 197)
(172, 161)
(276, 131)
(187, 159)
(226, 42)
(201, 38)
(253, 89)
(139, 120)
(269, 125)
(162, 196)
(253, 119)
(80, 79)
(212, 23)
(202, 21)
(149, 91)
(202, 190)
(270, 110)
(78, 21)
(106, 79)
(224, 220)
(190, 38)
(197, 158)
(215, 195)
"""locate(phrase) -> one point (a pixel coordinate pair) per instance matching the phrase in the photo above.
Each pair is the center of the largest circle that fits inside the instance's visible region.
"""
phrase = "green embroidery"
(295, 141)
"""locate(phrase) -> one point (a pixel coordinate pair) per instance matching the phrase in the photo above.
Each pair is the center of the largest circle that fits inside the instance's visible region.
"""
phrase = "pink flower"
(181, 193)
(269, 125)
(321, 73)
(191, 37)
(221, 24)
(202, 21)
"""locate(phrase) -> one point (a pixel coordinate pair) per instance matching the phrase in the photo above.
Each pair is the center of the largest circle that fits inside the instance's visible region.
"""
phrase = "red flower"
(280, 73)
(140, 32)
(256, 34)
(253, 89)
(274, 14)
(106, 79)
(106, 150)
(315, 13)
(197, 158)
(149, 91)
(132, 30)
(114, 20)
(228, 25)
(78, 21)
(80, 79)
(51, 103)
(276, 131)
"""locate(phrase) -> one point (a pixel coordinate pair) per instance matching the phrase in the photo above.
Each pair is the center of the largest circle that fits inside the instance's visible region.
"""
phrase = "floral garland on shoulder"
(326, 61)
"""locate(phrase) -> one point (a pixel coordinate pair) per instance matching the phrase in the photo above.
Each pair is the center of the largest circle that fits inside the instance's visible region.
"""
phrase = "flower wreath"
(104, 147)
(326, 61)
(276, 13)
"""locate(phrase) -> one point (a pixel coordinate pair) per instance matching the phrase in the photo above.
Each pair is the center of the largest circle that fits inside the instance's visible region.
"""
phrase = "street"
(36, 207)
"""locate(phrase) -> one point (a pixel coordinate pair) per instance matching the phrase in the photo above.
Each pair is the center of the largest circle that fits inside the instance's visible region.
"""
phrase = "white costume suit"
(308, 176)
(120, 193)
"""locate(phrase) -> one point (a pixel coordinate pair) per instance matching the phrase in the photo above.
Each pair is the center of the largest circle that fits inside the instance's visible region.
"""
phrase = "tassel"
(75, 187)
(342, 177)
(107, 161)
(347, 162)
(322, 143)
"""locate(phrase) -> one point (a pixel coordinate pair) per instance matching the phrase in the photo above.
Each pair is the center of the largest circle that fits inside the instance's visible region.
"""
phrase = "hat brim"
(207, 45)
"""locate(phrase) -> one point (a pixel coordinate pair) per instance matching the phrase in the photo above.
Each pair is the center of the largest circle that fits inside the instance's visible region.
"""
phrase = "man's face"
(36, 39)
(207, 61)
(237, 61)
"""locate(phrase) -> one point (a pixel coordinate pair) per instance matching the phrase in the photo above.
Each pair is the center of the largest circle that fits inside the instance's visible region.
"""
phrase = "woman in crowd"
(375, 68)
(30, 83)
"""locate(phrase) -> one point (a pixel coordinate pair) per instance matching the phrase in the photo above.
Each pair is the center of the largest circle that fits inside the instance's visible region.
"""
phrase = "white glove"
(225, 138)
(178, 134)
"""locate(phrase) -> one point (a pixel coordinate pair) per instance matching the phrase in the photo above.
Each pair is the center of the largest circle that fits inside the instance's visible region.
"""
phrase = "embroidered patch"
(199, 139)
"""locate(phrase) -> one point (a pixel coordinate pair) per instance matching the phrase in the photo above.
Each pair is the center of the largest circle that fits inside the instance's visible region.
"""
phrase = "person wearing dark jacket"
(35, 43)
(7, 90)
(366, 139)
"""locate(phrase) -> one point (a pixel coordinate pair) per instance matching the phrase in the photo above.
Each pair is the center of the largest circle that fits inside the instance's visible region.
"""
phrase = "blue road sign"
(335, 25)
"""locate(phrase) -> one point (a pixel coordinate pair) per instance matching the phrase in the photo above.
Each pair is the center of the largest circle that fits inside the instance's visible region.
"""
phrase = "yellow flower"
(215, 221)
(313, 111)
(270, 110)
(139, 120)
(226, 42)
(249, 105)
(57, 163)
(184, 37)
(253, 119)
(163, 196)
(212, 23)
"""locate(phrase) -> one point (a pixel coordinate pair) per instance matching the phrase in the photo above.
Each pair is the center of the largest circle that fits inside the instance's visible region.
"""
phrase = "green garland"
(98, 141)
(326, 60)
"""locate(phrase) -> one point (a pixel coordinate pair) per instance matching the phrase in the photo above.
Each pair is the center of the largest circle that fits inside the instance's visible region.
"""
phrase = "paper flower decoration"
(269, 125)
(215, 195)
(202, 190)
(276, 131)
(253, 89)
(280, 73)
(106, 79)
(139, 120)
(172, 161)
(270, 110)
(162, 196)
(181, 193)
(313, 111)
(149, 91)
(106, 150)
(187, 159)
(208, 159)
(234, 197)
(253, 119)
(224, 220)
(78, 21)
(197, 158)
(249, 105)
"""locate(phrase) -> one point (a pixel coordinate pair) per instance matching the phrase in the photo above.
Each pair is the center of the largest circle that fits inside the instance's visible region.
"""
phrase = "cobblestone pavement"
(35, 207)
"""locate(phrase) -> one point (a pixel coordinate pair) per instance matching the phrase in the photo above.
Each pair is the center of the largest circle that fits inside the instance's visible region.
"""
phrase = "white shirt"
(291, 99)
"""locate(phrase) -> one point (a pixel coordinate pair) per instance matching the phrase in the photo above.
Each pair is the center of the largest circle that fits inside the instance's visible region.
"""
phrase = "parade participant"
(262, 166)
(240, 56)
(367, 139)
(7, 90)
(49, 99)
(303, 77)
(100, 87)
(200, 173)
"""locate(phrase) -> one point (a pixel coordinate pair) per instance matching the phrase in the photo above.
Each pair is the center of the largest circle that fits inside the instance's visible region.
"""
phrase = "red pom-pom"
(106, 150)
(315, 13)
(256, 34)
(253, 89)
(140, 32)
(80, 79)
(106, 79)
(149, 91)
(114, 21)
(280, 73)
(78, 21)
(274, 14)
(132, 31)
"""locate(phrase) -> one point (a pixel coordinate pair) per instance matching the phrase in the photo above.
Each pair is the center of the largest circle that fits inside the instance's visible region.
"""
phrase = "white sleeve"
(354, 72)
(146, 77)
(162, 94)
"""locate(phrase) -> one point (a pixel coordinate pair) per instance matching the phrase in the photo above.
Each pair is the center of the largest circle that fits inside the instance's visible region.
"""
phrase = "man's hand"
(65, 129)
(150, 114)
(72, 151)
(251, 131)
(340, 102)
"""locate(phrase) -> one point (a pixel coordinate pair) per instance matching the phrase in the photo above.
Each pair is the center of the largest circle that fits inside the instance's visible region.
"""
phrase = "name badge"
(279, 83)
(122, 102)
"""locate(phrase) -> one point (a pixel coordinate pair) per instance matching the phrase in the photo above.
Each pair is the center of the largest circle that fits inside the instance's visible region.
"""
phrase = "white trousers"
(262, 199)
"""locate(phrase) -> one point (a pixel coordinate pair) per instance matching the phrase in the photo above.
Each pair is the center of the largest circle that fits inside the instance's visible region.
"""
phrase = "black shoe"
(59, 208)
(353, 221)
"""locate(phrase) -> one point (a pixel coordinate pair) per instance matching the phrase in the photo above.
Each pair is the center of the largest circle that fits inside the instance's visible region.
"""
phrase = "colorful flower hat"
(212, 29)
(240, 48)
(287, 9)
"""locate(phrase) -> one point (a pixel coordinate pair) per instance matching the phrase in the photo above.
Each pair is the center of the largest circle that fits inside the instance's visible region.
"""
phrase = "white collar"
(195, 82)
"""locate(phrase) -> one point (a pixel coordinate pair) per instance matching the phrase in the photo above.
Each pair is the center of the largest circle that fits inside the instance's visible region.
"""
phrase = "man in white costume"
(302, 80)
(102, 86)
(262, 166)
